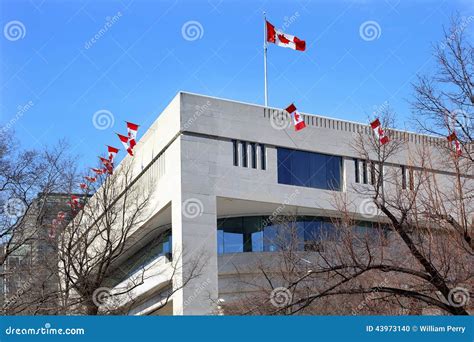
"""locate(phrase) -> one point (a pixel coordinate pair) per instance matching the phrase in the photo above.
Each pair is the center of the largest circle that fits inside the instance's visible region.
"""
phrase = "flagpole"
(265, 57)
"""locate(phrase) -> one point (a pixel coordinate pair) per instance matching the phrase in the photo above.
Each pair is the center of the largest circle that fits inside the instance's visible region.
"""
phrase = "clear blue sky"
(135, 68)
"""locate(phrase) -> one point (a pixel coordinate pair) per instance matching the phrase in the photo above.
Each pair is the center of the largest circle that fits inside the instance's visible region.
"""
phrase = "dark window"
(243, 145)
(309, 169)
(263, 157)
(235, 150)
(404, 176)
(372, 173)
(357, 171)
(364, 172)
(253, 155)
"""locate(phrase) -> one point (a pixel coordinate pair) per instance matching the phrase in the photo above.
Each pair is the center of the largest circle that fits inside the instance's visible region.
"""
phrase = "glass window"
(309, 169)
(309, 233)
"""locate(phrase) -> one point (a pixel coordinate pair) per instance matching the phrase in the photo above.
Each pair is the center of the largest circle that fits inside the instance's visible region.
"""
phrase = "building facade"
(220, 170)
(29, 276)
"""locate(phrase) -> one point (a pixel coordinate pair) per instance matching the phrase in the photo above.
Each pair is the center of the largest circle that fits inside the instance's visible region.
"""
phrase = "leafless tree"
(27, 180)
(91, 248)
(419, 252)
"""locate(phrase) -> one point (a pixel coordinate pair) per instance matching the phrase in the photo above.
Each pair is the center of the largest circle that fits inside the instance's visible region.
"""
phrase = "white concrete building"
(219, 168)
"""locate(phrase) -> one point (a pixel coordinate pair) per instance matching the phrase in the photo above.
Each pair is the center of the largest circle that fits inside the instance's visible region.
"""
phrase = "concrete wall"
(200, 183)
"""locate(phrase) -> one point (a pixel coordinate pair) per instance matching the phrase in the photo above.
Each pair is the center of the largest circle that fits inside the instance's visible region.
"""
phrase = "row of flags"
(282, 39)
(128, 141)
(376, 126)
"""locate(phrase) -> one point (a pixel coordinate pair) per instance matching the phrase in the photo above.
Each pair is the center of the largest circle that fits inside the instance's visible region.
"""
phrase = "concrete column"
(195, 251)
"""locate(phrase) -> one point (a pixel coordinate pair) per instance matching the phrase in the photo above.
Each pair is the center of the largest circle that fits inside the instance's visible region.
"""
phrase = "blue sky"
(143, 59)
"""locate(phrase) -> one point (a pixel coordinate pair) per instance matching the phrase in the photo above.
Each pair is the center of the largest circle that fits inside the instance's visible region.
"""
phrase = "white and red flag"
(112, 151)
(92, 179)
(284, 40)
(109, 166)
(296, 117)
(97, 171)
(83, 186)
(74, 202)
(132, 133)
(379, 132)
(454, 138)
(61, 216)
(124, 141)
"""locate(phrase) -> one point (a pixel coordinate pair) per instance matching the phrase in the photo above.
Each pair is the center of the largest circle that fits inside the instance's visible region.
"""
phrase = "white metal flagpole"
(265, 57)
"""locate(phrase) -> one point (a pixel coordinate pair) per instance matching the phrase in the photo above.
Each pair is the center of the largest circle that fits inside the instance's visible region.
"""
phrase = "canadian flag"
(74, 202)
(379, 132)
(92, 179)
(83, 186)
(132, 133)
(61, 216)
(97, 172)
(124, 141)
(298, 121)
(453, 137)
(112, 152)
(109, 166)
(284, 40)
